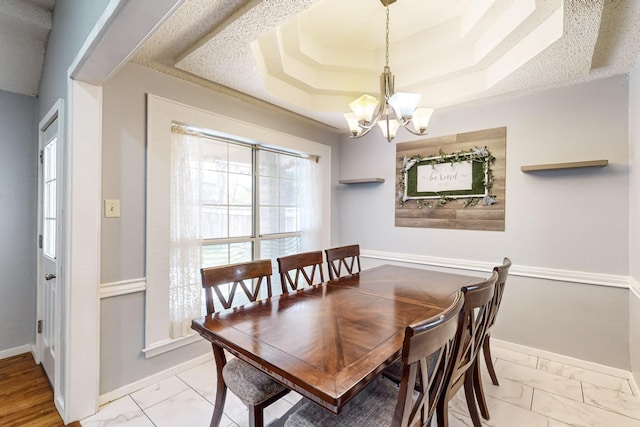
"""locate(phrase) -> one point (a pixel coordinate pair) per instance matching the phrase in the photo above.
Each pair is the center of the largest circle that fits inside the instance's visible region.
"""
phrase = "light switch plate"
(112, 208)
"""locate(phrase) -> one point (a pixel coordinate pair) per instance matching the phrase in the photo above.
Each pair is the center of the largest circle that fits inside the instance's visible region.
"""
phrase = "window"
(49, 202)
(225, 223)
(237, 226)
(230, 202)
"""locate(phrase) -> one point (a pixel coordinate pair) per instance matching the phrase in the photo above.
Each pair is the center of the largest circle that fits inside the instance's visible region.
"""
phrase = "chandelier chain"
(387, 39)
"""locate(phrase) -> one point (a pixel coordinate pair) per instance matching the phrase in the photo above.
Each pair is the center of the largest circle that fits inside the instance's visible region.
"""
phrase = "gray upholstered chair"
(294, 269)
(343, 259)
(427, 353)
(255, 388)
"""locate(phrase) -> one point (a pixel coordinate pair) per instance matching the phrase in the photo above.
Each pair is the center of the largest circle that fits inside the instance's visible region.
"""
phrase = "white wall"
(123, 239)
(18, 197)
(634, 215)
(570, 220)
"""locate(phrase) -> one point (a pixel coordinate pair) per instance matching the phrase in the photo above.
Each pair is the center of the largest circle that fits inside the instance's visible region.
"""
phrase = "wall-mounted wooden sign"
(455, 181)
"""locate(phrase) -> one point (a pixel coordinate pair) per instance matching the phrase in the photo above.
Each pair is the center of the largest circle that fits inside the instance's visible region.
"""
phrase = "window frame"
(49, 155)
(161, 113)
(256, 236)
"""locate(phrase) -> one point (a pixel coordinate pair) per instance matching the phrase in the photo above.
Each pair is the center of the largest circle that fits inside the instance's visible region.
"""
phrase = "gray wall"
(72, 22)
(123, 239)
(573, 220)
(18, 198)
(586, 322)
(634, 215)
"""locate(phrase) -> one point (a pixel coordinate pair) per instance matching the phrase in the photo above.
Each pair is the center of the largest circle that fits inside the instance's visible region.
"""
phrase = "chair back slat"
(307, 265)
(474, 322)
(234, 275)
(503, 273)
(427, 354)
(347, 257)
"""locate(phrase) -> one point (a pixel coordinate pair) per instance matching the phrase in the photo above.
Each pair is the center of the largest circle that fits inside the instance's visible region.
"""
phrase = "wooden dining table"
(329, 341)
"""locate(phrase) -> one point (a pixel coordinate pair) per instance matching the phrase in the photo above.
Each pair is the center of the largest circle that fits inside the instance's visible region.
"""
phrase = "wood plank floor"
(26, 397)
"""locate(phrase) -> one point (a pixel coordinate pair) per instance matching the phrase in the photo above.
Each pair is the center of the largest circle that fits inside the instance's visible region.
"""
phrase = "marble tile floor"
(533, 392)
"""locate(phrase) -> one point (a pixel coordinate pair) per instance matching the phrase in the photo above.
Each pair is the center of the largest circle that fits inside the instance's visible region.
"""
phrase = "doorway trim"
(55, 112)
(118, 32)
(81, 267)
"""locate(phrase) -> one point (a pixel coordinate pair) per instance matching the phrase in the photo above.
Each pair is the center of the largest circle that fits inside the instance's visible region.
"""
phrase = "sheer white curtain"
(310, 209)
(185, 289)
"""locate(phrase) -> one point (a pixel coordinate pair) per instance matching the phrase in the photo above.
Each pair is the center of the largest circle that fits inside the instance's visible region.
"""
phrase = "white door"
(48, 293)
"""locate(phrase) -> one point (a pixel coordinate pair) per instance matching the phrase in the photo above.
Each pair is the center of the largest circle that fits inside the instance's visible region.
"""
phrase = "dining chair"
(256, 389)
(427, 353)
(343, 256)
(471, 330)
(307, 266)
(503, 273)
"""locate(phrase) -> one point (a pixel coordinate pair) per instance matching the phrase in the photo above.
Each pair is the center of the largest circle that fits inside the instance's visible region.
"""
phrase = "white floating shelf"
(568, 165)
(361, 181)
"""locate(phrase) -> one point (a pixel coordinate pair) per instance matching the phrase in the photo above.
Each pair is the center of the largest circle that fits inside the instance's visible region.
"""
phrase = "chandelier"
(392, 110)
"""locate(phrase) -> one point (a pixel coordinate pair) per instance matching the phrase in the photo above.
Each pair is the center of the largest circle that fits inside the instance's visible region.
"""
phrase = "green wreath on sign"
(480, 160)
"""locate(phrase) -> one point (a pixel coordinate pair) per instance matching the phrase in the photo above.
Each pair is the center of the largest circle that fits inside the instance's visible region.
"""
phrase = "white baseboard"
(27, 348)
(153, 379)
(560, 358)
(634, 386)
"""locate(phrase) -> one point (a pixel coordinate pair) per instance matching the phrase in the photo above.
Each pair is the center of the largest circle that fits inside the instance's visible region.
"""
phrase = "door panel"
(48, 289)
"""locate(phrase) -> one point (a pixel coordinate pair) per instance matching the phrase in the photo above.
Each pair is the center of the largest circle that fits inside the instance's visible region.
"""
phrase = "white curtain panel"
(185, 289)
(309, 198)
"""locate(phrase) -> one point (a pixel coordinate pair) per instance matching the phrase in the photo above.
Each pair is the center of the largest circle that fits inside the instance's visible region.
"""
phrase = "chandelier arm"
(403, 122)
(367, 128)
(360, 135)
(389, 137)
(413, 131)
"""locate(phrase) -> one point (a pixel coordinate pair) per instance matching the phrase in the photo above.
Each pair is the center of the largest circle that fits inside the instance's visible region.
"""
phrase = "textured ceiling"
(314, 56)
(24, 30)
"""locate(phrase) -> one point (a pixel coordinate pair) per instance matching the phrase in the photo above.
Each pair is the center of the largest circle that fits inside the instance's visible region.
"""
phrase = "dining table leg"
(221, 389)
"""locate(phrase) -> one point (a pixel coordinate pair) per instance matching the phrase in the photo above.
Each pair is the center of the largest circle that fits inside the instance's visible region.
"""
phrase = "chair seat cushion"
(372, 407)
(249, 383)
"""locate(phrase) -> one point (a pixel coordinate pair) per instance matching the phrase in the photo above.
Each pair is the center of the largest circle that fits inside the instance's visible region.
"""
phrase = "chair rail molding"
(610, 280)
(122, 287)
(634, 286)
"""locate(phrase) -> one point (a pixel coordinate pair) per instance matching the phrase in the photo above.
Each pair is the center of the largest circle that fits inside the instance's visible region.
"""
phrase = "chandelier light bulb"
(421, 119)
(404, 104)
(364, 108)
(389, 128)
(354, 126)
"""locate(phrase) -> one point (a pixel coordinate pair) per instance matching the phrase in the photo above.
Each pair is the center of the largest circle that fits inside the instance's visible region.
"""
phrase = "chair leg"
(479, 391)
(486, 348)
(442, 410)
(471, 399)
(221, 389)
(255, 416)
